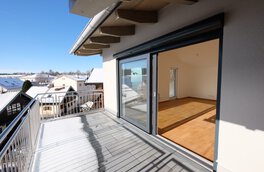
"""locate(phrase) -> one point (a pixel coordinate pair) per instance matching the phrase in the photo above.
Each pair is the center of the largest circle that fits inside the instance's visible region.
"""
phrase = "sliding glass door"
(134, 90)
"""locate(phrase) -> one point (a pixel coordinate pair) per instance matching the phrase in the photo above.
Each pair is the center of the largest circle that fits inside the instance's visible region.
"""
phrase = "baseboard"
(202, 98)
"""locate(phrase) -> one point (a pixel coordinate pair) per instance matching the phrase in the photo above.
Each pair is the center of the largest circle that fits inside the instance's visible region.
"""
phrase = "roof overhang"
(116, 20)
(89, 8)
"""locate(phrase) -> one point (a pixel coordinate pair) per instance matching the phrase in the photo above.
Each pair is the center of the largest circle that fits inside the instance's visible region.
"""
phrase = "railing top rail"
(60, 92)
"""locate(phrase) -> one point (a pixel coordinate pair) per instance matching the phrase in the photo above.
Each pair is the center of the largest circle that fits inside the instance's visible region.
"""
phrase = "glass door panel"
(134, 84)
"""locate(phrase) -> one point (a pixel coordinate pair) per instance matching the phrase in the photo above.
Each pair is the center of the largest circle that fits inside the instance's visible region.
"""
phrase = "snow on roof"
(35, 90)
(54, 95)
(74, 77)
(38, 75)
(10, 76)
(48, 95)
(97, 76)
(79, 77)
(6, 98)
(11, 83)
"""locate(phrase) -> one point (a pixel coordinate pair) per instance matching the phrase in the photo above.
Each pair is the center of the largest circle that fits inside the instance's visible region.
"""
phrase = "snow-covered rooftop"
(38, 75)
(6, 98)
(35, 90)
(54, 95)
(11, 83)
(97, 76)
(48, 95)
(74, 77)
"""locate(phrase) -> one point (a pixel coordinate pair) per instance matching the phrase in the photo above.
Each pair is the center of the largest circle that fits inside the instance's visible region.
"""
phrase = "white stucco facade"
(240, 129)
(240, 136)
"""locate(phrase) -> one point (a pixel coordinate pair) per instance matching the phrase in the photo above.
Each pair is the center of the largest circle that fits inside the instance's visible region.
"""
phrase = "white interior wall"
(197, 69)
(241, 131)
(166, 61)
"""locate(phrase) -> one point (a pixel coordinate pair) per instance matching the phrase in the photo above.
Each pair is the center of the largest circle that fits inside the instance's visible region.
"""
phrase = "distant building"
(11, 104)
(55, 101)
(77, 83)
(96, 78)
(38, 79)
(10, 84)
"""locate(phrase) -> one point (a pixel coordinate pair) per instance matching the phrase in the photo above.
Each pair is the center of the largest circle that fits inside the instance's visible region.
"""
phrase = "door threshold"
(194, 160)
(187, 153)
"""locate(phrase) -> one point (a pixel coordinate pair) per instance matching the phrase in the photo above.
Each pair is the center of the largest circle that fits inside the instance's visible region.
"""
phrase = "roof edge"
(94, 23)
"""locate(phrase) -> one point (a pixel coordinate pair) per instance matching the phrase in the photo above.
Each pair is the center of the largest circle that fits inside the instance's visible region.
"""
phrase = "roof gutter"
(96, 21)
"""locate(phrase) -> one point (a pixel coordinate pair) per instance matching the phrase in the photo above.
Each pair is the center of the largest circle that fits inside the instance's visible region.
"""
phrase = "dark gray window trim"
(136, 58)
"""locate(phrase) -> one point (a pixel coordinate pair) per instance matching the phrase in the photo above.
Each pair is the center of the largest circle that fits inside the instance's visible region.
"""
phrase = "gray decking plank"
(96, 142)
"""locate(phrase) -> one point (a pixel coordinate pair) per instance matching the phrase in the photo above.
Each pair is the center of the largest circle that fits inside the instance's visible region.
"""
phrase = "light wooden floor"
(196, 131)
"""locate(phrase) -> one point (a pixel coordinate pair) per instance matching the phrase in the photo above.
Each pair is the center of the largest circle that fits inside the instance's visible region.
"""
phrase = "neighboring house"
(96, 78)
(188, 72)
(11, 104)
(77, 83)
(8, 84)
(38, 78)
(55, 101)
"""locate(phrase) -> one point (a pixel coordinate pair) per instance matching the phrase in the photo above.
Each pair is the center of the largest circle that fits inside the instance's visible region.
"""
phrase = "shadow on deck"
(99, 142)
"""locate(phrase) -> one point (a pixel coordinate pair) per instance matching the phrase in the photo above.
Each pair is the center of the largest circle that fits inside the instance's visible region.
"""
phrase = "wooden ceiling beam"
(118, 30)
(136, 16)
(88, 52)
(95, 46)
(85, 54)
(105, 39)
(185, 2)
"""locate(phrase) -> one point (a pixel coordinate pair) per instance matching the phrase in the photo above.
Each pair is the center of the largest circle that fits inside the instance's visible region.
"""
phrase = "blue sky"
(37, 35)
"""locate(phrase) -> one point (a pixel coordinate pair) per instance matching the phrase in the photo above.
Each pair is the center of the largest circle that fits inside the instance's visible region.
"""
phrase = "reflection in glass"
(133, 80)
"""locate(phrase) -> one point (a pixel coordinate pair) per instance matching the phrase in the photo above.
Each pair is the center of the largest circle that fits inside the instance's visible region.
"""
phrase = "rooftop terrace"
(93, 140)
(101, 142)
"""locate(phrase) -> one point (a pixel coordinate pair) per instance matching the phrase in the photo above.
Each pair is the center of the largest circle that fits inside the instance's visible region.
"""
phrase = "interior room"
(187, 94)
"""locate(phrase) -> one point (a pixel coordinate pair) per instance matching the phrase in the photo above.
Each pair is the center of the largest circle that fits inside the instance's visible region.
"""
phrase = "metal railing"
(18, 140)
(59, 104)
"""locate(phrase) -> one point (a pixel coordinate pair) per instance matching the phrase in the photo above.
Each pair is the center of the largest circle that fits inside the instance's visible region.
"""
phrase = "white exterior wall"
(110, 85)
(65, 81)
(241, 131)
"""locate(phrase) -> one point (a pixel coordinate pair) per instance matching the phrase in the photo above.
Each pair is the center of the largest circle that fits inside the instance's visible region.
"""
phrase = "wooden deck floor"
(190, 123)
(101, 142)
